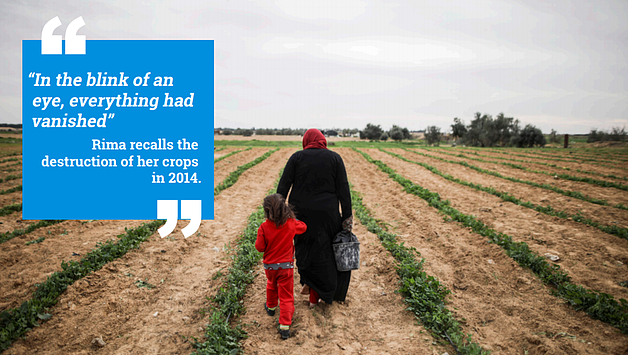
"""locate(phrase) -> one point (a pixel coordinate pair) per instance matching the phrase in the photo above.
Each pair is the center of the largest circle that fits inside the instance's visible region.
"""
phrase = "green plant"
(144, 284)
(17, 321)
(598, 305)
(36, 241)
(230, 154)
(10, 209)
(424, 294)
(507, 197)
(233, 177)
(220, 338)
(18, 232)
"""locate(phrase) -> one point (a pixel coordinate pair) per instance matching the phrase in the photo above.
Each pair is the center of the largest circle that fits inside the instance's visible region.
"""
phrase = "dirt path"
(612, 195)
(571, 241)
(372, 320)
(134, 320)
(507, 309)
(25, 265)
(224, 167)
(571, 165)
(602, 214)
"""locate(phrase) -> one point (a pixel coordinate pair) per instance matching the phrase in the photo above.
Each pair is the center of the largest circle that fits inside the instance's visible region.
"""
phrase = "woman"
(318, 180)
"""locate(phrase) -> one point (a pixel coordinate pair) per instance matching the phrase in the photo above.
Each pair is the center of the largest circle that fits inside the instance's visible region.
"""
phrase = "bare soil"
(223, 168)
(24, 266)
(506, 308)
(602, 214)
(133, 320)
(572, 165)
(571, 241)
(610, 194)
(372, 320)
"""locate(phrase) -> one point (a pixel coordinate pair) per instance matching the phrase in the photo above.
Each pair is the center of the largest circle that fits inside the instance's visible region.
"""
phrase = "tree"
(397, 133)
(458, 129)
(553, 136)
(372, 132)
(531, 136)
(406, 133)
(384, 137)
(432, 135)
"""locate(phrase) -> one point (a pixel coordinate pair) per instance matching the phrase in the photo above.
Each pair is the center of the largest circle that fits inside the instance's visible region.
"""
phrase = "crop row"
(230, 154)
(598, 305)
(233, 177)
(582, 158)
(507, 197)
(13, 189)
(444, 151)
(424, 294)
(10, 177)
(17, 321)
(8, 160)
(18, 232)
(602, 183)
(569, 193)
(555, 159)
(220, 338)
(16, 207)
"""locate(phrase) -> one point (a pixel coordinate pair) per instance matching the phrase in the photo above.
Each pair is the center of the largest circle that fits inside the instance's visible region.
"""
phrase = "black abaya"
(319, 183)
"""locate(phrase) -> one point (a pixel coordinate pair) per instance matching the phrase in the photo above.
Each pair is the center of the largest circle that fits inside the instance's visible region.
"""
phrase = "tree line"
(501, 131)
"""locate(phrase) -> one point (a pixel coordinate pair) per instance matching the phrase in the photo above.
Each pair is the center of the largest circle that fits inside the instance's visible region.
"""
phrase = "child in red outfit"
(275, 239)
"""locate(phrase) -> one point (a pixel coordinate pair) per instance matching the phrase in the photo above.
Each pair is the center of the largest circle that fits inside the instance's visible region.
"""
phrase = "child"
(275, 240)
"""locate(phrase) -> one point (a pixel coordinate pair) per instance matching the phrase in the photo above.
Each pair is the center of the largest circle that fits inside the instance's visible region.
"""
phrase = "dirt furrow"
(224, 167)
(506, 308)
(25, 265)
(532, 166)
(603, 214)
(571, 241)
(372, 320)
(571, 165)
(9, 199)
(118, 304)
(612, 195)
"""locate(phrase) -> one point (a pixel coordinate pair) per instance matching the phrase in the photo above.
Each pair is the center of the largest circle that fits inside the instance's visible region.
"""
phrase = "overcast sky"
(345, 63)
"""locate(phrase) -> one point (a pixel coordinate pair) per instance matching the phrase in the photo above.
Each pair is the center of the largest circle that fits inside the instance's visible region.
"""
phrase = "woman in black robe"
(319, 185)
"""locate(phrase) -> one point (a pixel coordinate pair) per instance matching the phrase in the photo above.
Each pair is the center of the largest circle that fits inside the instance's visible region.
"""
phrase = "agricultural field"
(453, 259)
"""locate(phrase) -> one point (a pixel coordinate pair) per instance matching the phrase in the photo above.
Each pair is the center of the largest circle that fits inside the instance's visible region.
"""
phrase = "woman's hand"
(347, 224)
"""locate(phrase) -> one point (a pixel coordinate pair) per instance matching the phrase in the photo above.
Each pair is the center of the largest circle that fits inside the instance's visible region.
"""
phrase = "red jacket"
(277, 243)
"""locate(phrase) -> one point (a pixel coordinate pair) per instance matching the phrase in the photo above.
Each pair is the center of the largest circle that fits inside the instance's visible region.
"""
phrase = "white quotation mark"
(52, 44)
(168, 210)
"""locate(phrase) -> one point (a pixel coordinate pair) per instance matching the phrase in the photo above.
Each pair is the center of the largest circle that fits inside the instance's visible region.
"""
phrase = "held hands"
(347, 224)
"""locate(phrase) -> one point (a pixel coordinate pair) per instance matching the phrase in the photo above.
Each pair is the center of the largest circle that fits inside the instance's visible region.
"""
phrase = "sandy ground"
(610, 194)
(224, 167)
(135, 320)
(506, 308)
(573, 165)
(571, 241)
(601, 214)
(540, 167)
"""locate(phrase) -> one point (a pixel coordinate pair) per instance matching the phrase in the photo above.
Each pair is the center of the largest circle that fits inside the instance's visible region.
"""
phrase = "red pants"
(280, 287)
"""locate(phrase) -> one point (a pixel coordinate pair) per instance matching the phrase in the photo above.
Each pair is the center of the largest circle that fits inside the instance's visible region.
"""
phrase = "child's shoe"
(270, 312)
(284, 331)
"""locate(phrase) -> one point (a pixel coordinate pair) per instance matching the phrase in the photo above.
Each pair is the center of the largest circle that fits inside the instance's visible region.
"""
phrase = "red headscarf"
(313, 138)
